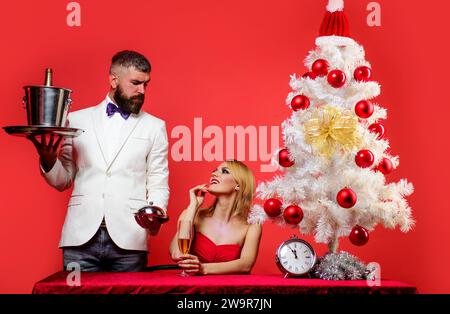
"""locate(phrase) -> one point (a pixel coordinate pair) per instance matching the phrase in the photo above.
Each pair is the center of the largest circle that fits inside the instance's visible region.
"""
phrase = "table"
(168, 281)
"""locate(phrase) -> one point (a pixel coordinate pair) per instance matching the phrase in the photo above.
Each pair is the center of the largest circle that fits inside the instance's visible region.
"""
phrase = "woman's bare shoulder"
(244, 228)
(254, 226)
(200, 217)
(254, 229)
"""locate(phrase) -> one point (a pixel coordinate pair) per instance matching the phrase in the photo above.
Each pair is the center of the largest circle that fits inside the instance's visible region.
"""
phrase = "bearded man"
(116, 166)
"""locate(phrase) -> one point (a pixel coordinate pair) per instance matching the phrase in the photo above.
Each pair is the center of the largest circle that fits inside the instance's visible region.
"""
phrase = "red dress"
(209, 252)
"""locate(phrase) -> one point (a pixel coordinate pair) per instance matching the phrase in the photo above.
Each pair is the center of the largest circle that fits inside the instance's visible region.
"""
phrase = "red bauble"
(310, 75)
(336, 78)
(385, 166)
(284, 159)
(362, 74)
(364, 109)
(293, 214)
(364, 158)
(359, 236)
(320, 67)
(346, 198)
(272, 207)
(299, 102)
(377, 128)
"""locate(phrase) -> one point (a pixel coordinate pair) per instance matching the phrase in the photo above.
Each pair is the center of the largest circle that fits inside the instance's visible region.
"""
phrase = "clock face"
(296, 257)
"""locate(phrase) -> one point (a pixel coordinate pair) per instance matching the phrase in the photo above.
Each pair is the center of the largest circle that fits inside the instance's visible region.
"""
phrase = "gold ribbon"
(331, 128)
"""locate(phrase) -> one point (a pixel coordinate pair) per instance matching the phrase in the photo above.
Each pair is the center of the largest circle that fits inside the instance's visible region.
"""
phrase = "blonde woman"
(224, 243)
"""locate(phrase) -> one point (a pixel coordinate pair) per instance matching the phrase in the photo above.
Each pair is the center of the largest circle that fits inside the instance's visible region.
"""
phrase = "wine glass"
(184, 238)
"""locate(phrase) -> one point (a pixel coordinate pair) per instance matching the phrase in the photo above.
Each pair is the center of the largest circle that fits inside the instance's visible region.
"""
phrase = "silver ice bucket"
(47, 105)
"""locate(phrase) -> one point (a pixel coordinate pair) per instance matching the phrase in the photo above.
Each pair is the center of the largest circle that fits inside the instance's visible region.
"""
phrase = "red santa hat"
(335, 26)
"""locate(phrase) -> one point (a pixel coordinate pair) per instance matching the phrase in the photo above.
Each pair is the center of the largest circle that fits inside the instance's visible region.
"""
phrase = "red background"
(228, 62)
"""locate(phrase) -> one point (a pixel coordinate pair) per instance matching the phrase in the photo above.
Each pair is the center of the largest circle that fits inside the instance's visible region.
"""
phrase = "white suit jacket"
(115, 189)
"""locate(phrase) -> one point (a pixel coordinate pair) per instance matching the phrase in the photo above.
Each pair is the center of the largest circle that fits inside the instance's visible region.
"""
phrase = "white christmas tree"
(335, 158)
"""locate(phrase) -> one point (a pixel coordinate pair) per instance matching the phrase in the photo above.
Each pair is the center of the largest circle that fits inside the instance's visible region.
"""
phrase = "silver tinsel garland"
(340, 266)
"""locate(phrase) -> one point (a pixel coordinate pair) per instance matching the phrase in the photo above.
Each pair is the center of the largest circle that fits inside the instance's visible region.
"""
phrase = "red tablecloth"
(168, 281)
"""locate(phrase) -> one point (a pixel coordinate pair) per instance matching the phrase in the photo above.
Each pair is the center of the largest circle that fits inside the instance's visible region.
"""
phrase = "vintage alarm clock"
(295, 257)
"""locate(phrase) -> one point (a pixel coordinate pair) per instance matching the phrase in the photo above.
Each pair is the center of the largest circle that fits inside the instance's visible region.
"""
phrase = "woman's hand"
(191, 264)
(197, 196)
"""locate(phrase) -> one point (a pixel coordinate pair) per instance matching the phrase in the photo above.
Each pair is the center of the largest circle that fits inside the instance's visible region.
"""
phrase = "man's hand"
(48, 152)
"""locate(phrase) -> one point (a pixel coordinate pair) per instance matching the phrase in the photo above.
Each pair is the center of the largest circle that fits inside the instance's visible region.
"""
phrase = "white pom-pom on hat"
(335, 5)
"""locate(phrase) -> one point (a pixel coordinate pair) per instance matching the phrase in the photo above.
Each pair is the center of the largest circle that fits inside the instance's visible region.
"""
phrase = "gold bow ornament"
(331, 128)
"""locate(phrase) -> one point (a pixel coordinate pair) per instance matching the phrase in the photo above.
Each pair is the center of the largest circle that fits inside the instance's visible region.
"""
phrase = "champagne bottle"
(48, 77)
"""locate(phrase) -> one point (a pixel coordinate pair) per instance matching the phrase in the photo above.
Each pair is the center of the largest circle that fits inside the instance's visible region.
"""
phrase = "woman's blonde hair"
(244, 198)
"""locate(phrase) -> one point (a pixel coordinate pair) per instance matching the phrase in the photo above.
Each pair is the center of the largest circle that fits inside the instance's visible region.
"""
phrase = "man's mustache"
(139, 97)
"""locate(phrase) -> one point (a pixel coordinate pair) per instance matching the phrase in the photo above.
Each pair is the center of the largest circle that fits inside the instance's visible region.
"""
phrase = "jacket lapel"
(128, 128)
(98, 122)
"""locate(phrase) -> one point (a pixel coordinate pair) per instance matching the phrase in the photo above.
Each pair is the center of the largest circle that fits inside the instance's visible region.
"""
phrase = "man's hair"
(128, 58)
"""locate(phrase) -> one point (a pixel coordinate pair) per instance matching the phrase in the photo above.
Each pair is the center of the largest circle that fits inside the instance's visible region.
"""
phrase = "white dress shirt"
(112, 127)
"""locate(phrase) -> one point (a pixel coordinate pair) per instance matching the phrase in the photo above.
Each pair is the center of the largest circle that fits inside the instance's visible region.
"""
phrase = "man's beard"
(129, 105)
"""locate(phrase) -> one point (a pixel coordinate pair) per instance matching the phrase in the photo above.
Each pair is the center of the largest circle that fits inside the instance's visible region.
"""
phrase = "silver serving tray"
(25, 130)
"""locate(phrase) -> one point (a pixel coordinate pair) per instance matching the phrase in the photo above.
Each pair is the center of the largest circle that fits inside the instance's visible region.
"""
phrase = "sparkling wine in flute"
(184, 245)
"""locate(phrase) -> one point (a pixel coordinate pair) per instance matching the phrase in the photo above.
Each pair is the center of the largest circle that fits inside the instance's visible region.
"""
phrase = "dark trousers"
(101, 254)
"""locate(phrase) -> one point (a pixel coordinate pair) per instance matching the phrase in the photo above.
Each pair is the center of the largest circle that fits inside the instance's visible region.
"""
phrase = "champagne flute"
(184, 238)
